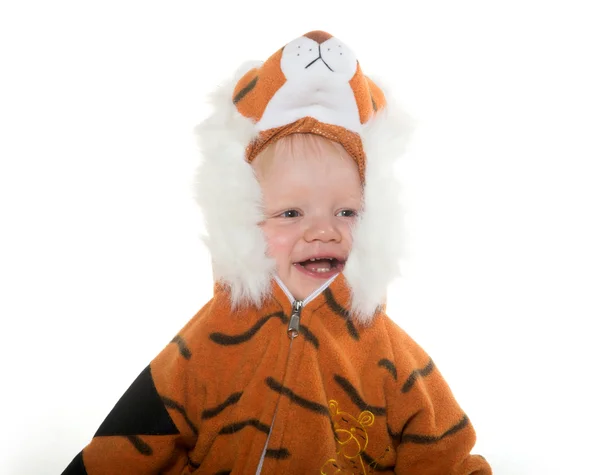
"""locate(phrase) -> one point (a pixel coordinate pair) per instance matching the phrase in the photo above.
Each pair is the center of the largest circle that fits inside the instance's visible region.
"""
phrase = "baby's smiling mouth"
(321, 267)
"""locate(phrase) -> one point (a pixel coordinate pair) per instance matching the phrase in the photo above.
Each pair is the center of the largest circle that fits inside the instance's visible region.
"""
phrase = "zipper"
(294, 327)
(297, 305)
(293, 331)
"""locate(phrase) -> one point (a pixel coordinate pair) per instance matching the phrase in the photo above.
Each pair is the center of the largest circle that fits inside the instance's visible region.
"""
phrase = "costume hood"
(314, 84)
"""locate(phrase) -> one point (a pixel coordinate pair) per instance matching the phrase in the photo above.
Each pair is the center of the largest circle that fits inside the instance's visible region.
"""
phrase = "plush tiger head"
(313, 84)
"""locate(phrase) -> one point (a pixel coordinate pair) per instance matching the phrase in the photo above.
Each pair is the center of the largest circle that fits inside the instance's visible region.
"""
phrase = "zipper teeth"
(310, 297)
(302, 304)
(264, 452)
(285, 290)
(318, 291)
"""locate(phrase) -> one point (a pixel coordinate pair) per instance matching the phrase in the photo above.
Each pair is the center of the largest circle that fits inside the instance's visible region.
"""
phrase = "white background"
(100, 257)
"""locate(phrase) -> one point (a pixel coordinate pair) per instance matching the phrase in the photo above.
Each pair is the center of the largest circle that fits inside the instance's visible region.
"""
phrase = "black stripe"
(223, 339)
(141, 446)
(432, 439)
(311, 405)
(183, 349)
(240, 95)
(387, 364)
(355, 397)
(76, 467)
(415, 374)
(335, 437)
(223, 472)
(179, 408)
(193, 464)
(232, 399)
(342, 312)
(238, 426)
(310, 337)
(140, 411)
(279, 454)
(396, 435)
(371, 462)
(373, 102)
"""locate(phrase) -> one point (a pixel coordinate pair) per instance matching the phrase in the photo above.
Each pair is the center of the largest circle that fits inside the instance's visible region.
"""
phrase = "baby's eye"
(347, 213)
(290, 213)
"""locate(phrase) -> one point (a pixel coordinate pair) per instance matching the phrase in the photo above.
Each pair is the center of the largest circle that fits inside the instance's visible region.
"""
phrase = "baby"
(293, 367)
(312, 196)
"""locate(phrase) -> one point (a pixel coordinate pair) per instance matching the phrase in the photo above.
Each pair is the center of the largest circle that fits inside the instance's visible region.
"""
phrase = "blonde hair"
(298, 146)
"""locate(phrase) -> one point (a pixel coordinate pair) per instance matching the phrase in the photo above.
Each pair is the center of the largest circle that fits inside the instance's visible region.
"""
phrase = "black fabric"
(76, 467)
(140, 411)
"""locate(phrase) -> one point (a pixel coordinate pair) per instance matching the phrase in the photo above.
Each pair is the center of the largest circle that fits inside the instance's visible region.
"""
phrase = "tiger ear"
(257, 86)
(246, 67)
(377, 96)
(333, 407)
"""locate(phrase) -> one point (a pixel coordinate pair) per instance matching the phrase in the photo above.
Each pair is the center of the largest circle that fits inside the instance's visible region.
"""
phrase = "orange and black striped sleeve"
(431, 432)
(151, 428)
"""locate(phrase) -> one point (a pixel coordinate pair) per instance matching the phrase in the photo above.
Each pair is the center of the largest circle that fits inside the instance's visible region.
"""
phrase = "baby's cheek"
(347, 230)
(279, 243)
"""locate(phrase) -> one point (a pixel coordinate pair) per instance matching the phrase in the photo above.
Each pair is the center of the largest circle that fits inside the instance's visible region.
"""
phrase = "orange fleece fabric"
(232, 387)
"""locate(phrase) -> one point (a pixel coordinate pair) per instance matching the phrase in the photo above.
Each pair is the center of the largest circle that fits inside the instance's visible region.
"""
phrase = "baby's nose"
(318, 36)
(322, 230)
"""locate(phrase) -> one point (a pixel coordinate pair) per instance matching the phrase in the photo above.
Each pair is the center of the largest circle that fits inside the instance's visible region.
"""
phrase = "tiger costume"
(258, 382)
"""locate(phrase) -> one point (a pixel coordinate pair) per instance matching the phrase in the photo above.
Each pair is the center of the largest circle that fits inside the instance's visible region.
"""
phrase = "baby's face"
(311, 204)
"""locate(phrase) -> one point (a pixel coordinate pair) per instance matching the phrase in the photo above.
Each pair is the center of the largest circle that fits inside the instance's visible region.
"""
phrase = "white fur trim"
(230, 197)
(377, 237)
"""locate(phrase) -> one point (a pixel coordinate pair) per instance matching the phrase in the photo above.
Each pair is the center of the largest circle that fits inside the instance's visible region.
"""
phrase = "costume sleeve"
(151, 428)
(433, 434)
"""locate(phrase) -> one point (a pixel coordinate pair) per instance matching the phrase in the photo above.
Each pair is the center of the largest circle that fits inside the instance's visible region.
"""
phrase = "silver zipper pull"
(294, 327)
